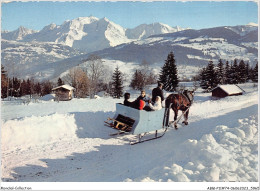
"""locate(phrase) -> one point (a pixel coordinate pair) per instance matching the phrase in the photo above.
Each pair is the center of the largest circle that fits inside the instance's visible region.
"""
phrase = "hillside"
(191, 47)
(24, 59)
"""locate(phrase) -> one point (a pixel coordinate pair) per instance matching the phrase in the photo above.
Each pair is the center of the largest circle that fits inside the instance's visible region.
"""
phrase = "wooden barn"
(64, 92)
(227, 90)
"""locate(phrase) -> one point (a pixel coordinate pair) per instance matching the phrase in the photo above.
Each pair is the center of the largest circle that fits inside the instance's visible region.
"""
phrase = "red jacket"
(141, 104)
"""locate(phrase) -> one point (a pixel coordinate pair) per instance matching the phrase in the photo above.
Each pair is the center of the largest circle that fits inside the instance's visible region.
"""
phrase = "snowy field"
(67, 141)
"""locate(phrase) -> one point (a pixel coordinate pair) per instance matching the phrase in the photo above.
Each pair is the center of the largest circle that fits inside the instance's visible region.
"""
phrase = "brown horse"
(176, 102)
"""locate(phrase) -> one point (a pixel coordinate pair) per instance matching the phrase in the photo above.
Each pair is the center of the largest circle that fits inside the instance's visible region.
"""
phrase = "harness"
(188, 97)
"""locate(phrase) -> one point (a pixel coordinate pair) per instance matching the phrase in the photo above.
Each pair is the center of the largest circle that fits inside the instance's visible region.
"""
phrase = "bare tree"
(96, 73)
(82, 82)
(70, 78)
(78, 79)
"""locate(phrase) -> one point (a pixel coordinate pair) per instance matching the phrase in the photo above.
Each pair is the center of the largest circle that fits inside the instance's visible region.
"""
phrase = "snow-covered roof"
(66, 86)
(230, 89)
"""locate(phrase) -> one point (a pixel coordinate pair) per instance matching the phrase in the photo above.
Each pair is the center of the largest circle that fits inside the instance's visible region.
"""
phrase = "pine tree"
(23, 88)
(117, 84)
(234, 73)
(247, 72)
(169, 74)
(37, 88)
(16, 84)
(255, 73)
(242, 72)
(4, 82)
(138, 81)
(203, 79)
(220, 75)
(211, 76)
(227, 73)
(163, 76)
(28, 87)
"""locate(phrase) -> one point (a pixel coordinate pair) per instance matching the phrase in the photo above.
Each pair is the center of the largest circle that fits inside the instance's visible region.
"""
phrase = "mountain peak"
(22, 32)
(86, 19)
(21, 28)
(105, 19)
(24, 29)
(49, 27)
(145, 30)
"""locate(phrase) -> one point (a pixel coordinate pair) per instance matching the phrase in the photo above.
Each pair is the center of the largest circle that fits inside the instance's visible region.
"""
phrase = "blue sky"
(197, 15)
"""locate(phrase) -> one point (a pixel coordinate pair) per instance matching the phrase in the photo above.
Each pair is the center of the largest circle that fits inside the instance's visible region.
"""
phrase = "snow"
(48, 97)
(145, 30)
(230, 89)
(243, 30)
(49, 141)
(65, 86)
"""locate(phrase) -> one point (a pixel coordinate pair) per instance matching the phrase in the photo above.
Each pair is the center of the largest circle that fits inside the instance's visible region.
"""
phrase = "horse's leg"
(167, 112)
(186, 118)
(175, 117)
(184, 115)
(187, 115)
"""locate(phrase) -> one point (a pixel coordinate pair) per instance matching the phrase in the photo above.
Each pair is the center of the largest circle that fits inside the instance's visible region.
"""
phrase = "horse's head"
(190, 94)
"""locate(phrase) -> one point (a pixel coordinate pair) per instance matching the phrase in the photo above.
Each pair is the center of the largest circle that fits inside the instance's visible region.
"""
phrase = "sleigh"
(142, 123)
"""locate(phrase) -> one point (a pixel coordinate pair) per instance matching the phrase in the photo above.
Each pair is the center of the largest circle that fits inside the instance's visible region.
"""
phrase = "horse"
(181, 101)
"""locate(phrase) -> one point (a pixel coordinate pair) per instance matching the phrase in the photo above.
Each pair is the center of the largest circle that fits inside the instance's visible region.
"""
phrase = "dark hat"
(127, 95)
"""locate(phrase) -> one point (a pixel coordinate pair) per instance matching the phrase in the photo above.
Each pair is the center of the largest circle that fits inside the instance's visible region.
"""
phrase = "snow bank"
(225, 154)
(215, 107)
(48, 97)
(35, 131)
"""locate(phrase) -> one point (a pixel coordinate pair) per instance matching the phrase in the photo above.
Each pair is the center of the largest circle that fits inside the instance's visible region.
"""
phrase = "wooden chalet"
(227, 90)
(63, 93)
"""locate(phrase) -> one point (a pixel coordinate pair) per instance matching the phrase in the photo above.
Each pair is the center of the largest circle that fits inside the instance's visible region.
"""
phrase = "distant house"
(64, 92)
(227, 90)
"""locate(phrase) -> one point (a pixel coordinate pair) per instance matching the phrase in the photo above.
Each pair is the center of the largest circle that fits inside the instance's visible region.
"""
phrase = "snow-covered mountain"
(50, 52)
(17, 34)
(144, 30)
(88, 33)
(191, 47)
(22, 59)
(84, 33)
(243, 30)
